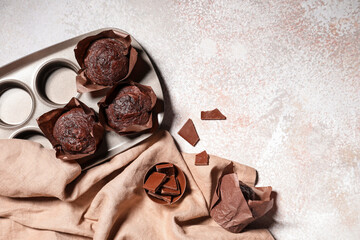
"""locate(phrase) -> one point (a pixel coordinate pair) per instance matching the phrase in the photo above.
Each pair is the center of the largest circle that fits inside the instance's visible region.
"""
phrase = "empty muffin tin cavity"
(32, 134)
(55, 82)
(17, 103)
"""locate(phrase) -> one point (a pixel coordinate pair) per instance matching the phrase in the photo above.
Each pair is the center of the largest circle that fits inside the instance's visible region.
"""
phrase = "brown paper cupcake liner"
(47, 122)
(230, 209)
(111, 94)
(83, 83)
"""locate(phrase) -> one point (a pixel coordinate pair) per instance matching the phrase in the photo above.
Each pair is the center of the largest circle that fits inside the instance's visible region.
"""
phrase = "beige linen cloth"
(42, 197)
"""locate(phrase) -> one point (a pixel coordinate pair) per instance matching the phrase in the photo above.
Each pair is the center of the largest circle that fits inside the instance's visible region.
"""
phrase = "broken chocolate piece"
(212, 115)
(168, 191)
(158, 196)
(167, 168)
(202, 159)
(171, 183)
(188, 132)
(154, 181)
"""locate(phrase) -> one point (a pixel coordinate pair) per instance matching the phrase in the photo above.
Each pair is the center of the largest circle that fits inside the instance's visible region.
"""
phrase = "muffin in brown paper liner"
(105, 59)
(235, 205)
(127, 108)
(51, 127)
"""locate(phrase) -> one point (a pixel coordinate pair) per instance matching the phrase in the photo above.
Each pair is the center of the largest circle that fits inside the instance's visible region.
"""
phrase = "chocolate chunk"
(171, 183)
(212, 115)
(154, 181)
(168, 191)
(162, 197)
(202, 159)
(248, 193)
(167, 168)
(188, 132)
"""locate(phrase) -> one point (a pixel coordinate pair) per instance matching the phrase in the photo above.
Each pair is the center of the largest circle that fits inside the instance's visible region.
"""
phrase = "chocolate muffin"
(107, 61)
(130, 106)
(73, 131)
(248, 193)
(127, 108)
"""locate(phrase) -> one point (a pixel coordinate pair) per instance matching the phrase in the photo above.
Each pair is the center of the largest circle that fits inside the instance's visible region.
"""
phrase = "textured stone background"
(285, 73)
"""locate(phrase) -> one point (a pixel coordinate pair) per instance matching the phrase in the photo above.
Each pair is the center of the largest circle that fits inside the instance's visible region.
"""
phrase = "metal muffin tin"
(30, 74)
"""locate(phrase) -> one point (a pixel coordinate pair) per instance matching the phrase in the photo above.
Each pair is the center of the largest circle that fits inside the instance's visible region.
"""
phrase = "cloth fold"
(42, 197)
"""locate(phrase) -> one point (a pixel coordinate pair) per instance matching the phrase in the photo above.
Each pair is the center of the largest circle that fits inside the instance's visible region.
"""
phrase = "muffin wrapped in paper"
(234, 204)
(74, 130)
(105, 59)
(127, 108)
